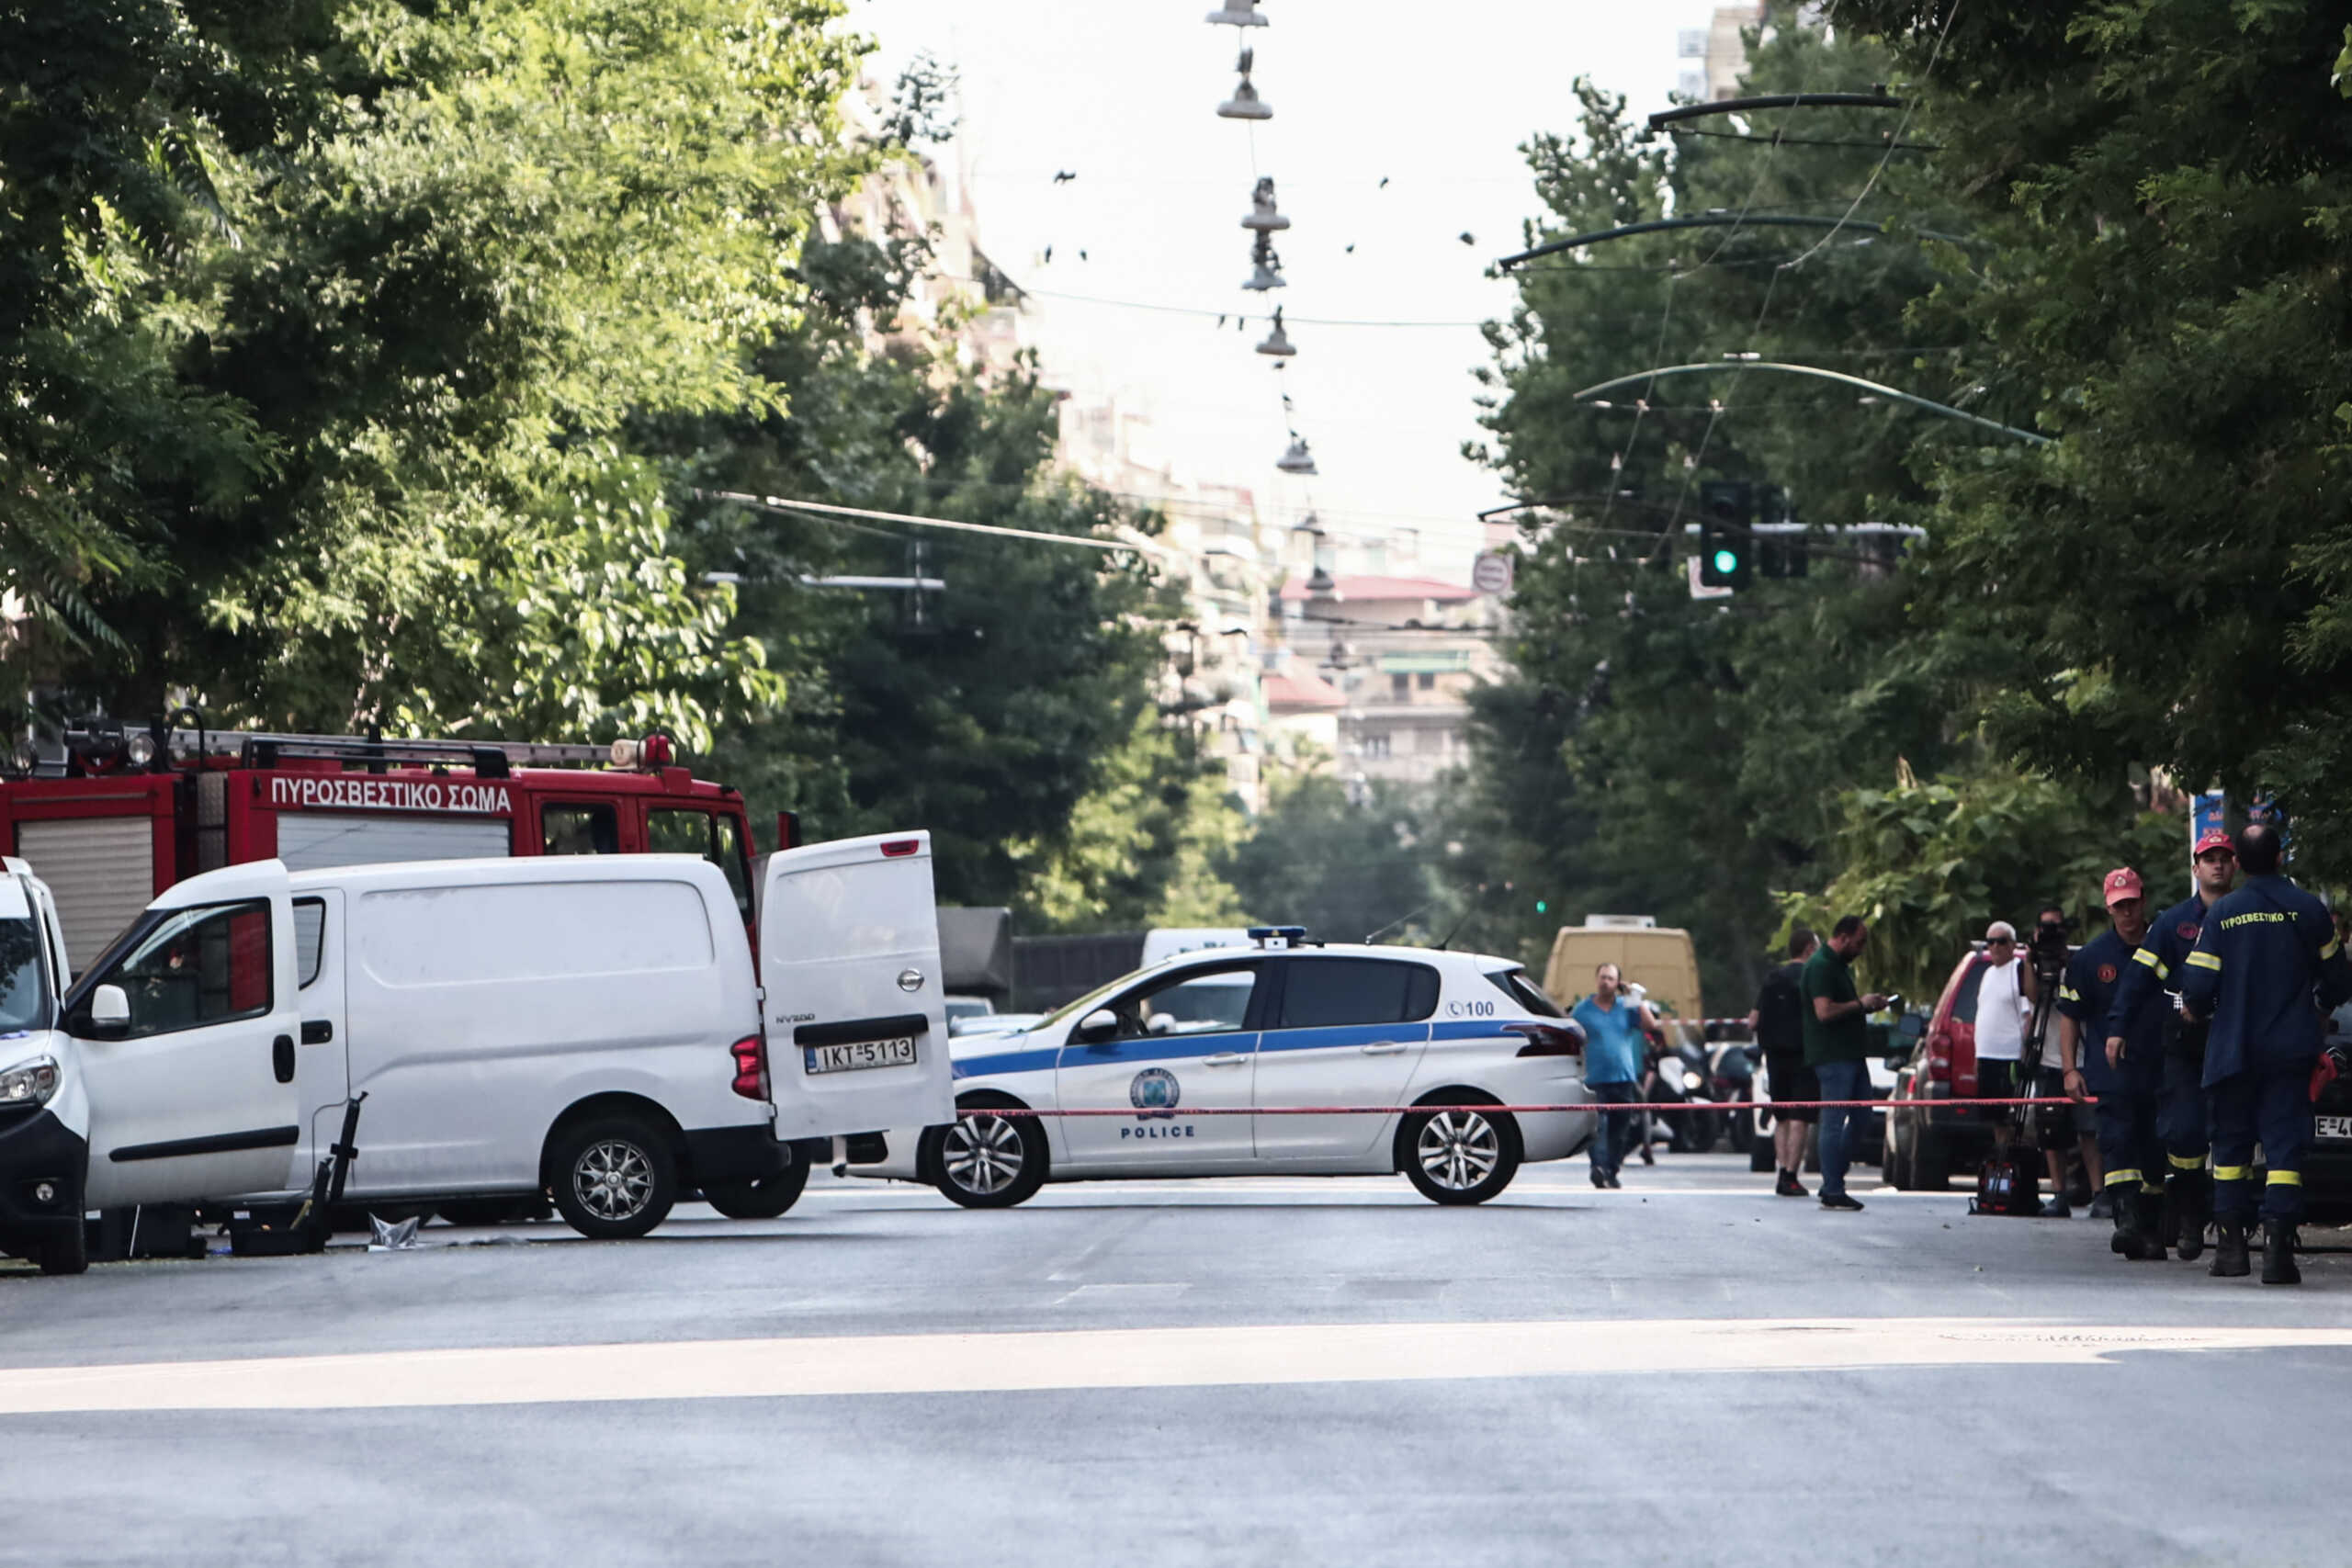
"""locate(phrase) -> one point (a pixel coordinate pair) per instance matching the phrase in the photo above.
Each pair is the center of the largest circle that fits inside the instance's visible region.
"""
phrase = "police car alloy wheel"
(1460, 1156)
(615, 1179)
(989, 1162)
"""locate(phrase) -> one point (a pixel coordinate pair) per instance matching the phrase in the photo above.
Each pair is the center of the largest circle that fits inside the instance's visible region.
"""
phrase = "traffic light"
(1779, 554)
(1542, 904)
(1726, 534)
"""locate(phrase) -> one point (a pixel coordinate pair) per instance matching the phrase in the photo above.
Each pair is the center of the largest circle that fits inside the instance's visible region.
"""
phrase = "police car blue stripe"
(1172, 1048)
(1004, 1062)
(1158, 1048)
(1340, 1034)
(1477, 1029)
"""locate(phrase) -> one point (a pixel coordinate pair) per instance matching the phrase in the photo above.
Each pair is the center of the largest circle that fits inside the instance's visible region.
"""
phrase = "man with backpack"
(1778, 1023)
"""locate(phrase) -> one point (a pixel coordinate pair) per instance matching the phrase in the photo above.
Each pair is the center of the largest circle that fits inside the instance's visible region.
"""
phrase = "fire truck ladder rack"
(490, 758)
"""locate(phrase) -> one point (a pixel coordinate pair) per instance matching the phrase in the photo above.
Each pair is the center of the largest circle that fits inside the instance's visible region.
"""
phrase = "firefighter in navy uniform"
(2126, 1078)
(2180, 1108)
(2266, 969)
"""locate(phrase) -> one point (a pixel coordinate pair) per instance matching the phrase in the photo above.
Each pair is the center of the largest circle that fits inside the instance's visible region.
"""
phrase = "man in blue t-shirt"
(1614, 1049)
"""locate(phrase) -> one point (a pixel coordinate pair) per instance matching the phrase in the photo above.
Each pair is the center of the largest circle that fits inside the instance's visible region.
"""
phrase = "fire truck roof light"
(898, 847)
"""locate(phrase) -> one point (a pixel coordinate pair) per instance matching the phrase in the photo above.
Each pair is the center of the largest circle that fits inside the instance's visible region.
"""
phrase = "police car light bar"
(1282, 936)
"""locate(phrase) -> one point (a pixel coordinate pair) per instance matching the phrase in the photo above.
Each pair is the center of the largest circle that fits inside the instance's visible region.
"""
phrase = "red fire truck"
(126, 813)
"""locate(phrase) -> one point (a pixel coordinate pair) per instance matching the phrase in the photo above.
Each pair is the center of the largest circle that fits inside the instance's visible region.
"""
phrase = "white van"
(588, 1027)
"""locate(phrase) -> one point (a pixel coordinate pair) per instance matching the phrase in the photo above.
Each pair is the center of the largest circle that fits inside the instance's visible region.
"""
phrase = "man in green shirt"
(1837, 1046)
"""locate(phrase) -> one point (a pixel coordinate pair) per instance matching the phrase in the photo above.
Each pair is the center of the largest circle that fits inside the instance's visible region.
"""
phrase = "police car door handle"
(1384, 1047)
(1225, 1059)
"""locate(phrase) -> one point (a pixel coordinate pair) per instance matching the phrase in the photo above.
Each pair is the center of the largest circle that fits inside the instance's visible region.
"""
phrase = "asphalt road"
(1236, 1371)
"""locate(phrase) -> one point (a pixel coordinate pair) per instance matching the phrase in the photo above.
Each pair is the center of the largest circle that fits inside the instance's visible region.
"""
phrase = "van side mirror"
(109, 1012)
(1097, 1026)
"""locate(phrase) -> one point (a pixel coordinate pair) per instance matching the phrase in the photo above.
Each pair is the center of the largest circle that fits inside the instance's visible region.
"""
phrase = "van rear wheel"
(765, 1198)
(616, 1178)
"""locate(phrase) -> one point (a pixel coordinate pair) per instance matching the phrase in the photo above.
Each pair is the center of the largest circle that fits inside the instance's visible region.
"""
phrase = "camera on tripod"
(2048, 947)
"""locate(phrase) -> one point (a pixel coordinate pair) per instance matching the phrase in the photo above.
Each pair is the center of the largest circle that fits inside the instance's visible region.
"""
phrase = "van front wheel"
(65, 1253)
(616, 1178)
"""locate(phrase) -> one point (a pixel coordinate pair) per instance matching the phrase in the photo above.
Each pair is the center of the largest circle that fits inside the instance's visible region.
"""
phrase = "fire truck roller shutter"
(313, 840)
(102, 871)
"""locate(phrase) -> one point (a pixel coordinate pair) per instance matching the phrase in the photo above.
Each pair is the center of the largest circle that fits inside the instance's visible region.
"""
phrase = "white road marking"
(1111, 1359)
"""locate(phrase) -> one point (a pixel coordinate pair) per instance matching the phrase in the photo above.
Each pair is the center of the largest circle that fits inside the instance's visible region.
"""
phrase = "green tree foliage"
(115, 123)
(1141, 848)
(1010, 714)
(2169, 183)
(1929, 864)
(2125, 228)
(436, 259)
(1659, 755)
(1342, 869)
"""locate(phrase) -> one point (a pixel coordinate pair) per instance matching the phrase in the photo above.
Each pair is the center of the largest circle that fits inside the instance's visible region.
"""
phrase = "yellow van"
(1659, 959)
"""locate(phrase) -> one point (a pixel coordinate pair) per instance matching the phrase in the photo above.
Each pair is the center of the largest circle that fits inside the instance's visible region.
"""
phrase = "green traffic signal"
(1542, 905)
(1726, 561)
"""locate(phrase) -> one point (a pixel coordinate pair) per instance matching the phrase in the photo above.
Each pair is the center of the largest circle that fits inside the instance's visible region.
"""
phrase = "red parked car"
(1925, 1143)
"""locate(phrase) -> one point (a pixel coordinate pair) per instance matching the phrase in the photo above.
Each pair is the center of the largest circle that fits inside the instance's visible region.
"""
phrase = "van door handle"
(282, 1057)
(1225, 1059)
(1384, 1048)
(318, 1030)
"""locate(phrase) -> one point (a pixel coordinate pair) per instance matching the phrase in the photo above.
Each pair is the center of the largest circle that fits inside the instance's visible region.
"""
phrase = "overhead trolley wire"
(1903, 125)
(1224, 315)
(1880, 99)
(786, 504)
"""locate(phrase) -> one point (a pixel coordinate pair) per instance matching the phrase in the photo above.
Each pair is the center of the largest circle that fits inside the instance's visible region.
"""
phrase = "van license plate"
(2332, 1127)
(896, 1053)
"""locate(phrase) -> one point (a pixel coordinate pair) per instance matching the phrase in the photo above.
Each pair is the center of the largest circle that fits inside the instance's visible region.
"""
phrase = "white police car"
(1254, 1032)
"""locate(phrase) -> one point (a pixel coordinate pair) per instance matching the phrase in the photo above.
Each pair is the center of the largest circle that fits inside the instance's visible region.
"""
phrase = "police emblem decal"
(1154, 1092)
(2187, 931)
(2106, 974)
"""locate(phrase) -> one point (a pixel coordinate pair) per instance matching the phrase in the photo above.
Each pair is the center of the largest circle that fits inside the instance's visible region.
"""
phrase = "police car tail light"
(1548, 1040)
(750, 1066)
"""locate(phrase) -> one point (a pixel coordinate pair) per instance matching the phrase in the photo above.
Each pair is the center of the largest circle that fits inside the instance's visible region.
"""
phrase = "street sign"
(1492, 572)
(1699, 586)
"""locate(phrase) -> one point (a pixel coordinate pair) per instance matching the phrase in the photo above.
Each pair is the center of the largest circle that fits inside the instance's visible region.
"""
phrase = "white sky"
(1436, 100)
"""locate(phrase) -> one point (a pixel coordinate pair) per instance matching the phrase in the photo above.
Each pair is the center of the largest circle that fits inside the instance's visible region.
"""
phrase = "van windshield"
(24, 978)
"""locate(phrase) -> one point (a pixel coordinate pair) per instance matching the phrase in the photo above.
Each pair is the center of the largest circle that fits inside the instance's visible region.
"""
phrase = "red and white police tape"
(1655, 1107)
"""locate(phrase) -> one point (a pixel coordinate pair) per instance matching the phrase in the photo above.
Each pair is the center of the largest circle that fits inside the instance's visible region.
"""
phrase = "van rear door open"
(848, 950)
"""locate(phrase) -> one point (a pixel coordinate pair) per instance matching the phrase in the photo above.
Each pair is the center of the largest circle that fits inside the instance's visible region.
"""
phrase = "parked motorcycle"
(1674, 1076)
(1731, 1077)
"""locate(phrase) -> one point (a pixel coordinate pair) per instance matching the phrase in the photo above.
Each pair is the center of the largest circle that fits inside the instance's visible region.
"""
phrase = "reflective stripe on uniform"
(2331, 950)
(2117, 1177)
(2067, 993)
(2231, 1172)
(2187, 1162)
(2150, 1189)
(2148, 956)
(2206, 960)
(2286, 1178)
